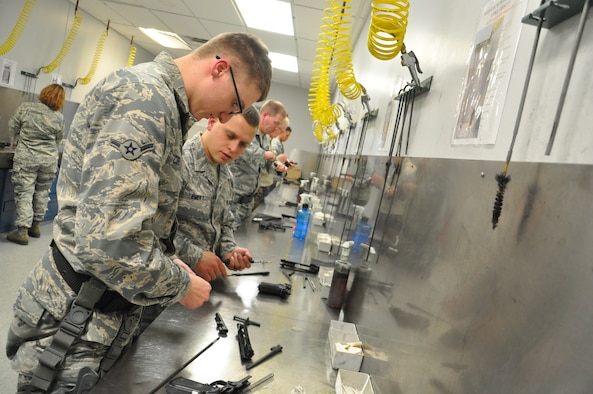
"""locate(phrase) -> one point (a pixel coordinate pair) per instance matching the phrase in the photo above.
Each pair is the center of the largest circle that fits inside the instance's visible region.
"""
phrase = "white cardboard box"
(344, 346)
(324, 242)
(353, 382)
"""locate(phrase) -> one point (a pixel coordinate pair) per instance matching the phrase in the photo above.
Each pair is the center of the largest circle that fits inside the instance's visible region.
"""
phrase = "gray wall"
(457, 307)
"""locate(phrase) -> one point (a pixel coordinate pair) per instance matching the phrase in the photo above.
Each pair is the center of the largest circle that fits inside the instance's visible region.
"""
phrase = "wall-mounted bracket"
(28, 74)
(418, 90)
(554, 12)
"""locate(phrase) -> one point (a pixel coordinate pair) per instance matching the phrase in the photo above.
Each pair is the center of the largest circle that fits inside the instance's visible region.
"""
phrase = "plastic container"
(361, 234)
(337, 290)
(302, 222)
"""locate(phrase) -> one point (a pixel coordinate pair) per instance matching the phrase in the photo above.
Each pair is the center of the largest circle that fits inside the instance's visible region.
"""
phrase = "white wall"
(47, 29)
(295, 101)
(441, 34)
(43, 37)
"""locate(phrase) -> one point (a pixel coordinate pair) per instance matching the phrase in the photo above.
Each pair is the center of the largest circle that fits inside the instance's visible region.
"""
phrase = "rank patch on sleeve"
(130, 149)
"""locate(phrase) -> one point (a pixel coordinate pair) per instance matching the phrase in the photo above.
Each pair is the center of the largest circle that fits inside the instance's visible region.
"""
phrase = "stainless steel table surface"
(299, 324)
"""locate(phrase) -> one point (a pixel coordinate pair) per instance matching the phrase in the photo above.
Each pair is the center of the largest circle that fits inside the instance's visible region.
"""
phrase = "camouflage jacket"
(246, 168)
(120, 179)
(204, 216)
(277, 146)
(39, 130)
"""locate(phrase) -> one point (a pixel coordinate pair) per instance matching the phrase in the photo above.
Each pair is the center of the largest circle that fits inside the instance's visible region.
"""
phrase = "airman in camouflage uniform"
(118, 190)
(204, 238)
(39, 128)
(248, 167)
(277, 146)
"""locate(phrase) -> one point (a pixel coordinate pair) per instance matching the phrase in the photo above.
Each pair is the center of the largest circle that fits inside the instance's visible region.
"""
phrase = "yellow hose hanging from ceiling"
(333, 46)
(67, 44)
(389, 20)
(132, 54)
(98, 51)
(18, 27)
(342, 60)
(320, 107)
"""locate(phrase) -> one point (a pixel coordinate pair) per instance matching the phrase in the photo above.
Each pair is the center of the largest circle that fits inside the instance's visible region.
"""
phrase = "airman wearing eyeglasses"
(118, 188)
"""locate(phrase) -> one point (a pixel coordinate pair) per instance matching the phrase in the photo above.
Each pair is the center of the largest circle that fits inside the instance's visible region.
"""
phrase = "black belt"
(110, 301)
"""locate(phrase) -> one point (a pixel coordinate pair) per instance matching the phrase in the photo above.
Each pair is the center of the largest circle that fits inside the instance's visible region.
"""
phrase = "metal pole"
(567, 77)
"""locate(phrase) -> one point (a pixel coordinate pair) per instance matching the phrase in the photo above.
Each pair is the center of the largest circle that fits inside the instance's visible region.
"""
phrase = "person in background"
(118, 191)
(269, 172)
(248, 167)
(278, 147)
(38, 128)
(205, 239)
(278, 142)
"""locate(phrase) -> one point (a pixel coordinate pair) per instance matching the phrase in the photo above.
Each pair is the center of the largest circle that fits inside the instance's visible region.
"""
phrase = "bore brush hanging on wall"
(18, 27)
(548, 15)
(502, 179)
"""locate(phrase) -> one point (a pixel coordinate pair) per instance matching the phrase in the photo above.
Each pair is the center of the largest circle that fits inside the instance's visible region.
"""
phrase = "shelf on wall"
(554, 12)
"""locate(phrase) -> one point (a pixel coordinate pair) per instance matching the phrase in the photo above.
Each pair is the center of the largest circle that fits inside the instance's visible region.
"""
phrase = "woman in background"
(38, 128)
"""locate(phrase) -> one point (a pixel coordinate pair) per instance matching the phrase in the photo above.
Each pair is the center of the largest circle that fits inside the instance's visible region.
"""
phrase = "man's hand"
(269, 155)
(282, 158)
(239, 259)
(199, 289)
(279, 167)
(210, 267)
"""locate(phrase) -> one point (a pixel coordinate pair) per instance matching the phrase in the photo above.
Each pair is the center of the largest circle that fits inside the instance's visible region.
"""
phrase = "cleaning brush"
(501, 179)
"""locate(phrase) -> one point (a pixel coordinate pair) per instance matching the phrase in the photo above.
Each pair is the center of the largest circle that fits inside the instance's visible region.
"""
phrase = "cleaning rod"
(567, 77)
(503, 179)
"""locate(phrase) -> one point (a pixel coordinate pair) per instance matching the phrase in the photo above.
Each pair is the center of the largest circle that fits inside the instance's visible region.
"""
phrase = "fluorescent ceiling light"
(165, 38)
(284, 62)
(268, 15)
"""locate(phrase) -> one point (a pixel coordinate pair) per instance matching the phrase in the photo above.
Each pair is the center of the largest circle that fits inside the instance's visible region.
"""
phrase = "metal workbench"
(299, 324)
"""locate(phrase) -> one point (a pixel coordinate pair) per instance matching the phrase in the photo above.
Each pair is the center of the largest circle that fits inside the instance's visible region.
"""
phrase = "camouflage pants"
(37, 318)
(32, 183)
(25, 353)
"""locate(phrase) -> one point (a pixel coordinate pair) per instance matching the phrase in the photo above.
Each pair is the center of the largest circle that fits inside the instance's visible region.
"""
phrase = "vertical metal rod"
(525, 88)
(567, 77)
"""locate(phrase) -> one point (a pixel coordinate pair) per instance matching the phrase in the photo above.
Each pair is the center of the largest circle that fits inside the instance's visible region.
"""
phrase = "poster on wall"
(8, 72)
(486, 82)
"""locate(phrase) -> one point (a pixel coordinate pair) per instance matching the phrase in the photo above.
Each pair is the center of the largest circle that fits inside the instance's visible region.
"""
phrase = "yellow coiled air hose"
(132, 54)
(67, 45)
(344, 70)
(96, 58)
(333, 45)
(18, 28)
(322, 111)
(389, 20)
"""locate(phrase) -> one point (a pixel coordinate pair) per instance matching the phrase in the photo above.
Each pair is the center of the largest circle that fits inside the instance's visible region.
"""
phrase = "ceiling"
(196, 21)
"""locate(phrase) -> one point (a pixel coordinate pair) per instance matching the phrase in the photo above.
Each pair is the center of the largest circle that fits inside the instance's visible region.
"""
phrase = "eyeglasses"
(240, 111)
